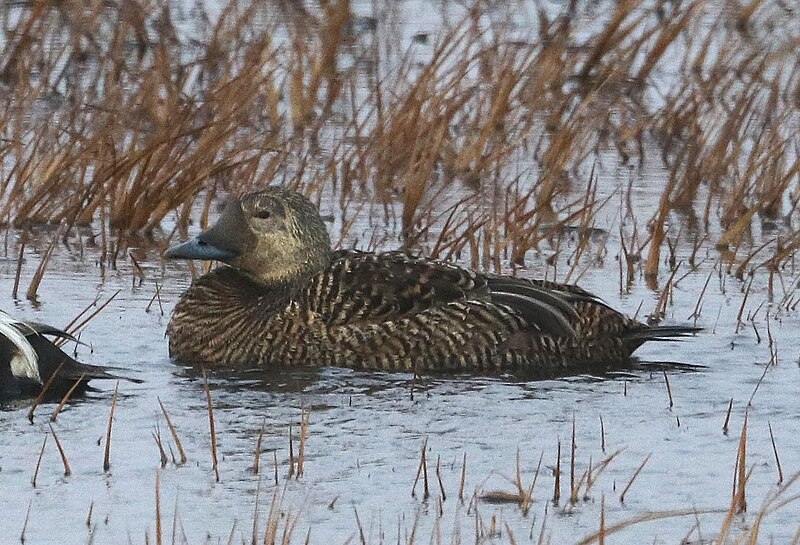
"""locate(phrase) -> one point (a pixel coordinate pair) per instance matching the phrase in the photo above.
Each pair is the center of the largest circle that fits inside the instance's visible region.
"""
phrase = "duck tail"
(661, 333)
(86, 372)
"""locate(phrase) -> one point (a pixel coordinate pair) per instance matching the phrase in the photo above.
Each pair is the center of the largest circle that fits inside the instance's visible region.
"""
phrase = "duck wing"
(51, 357)
(361, 287)
(22, 359)
(35, 328)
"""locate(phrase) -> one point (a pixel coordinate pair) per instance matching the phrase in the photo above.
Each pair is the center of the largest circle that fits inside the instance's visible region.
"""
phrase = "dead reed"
(107, 454)
(25, 524)
(557, 475)
(775, 451)
(305, 417)
(160, 444)
(633, 478)
(39, 462)
(44, 391)
(159, 538)
(66, 398)
(484, 151)
(139, 123)
(422, 470)
(181, 452)
(211, 427)
(257, 455)
(67, 469)
(740, 495)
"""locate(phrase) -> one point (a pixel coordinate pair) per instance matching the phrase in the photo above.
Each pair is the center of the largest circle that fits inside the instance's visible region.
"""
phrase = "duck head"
(274, 235)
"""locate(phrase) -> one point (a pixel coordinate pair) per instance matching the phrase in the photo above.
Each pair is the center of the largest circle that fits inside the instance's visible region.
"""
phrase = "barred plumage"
(288, 300)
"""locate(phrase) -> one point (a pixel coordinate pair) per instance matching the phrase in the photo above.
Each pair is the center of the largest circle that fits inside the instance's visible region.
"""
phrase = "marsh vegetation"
(645, 149)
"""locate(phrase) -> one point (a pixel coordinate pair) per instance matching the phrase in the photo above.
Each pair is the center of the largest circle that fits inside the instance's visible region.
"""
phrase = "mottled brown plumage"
(288, 300)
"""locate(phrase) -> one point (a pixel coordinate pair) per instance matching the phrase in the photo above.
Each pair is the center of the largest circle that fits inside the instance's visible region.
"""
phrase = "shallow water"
(366, 431)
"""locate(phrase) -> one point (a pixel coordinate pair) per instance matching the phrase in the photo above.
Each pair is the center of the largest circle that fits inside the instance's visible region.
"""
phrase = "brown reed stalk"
(291, 454)
(43, 393)
(211, 427)
(273, 517)
(741, 307)
(25, 523)
(602, 435)
(67, 470)
(423, 461)
(39, 462)
(669, 390)
(305, 416)
(361, 537)
(254, 539)
(661, 305)
(758, 384)
(159, 443)
(658, 235)
(107, 454)
(137, 268)
(727, 418)
(439, 479)
(182, 453)
(633, 478)
(275, 465)
(463, 478)
(697, 307)
(66, 398)
(159, 539)
(557, 474)
(257, 454)
(156, 296)
(40, 270)
(601, 534)
(81, 314)
(541, 540)
(82, 324)
(775, 451)
(17, 274)
(647, 517)
(422, 467)
(741, 475)
(573, 492)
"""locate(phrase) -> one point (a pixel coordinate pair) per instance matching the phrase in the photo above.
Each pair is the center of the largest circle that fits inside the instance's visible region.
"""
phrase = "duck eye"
(263, 214)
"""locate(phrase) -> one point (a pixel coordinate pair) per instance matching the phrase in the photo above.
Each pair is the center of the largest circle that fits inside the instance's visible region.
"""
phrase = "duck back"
(402, 313)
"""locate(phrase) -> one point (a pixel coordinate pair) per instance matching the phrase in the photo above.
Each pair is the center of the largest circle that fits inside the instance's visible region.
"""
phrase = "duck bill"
(225, 241)
(198, 249)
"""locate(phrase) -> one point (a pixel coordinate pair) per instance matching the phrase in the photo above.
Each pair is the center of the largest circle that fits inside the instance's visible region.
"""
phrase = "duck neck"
(290, 277)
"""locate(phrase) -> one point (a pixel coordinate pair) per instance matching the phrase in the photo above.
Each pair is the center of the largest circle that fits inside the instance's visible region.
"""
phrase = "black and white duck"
(29, 359)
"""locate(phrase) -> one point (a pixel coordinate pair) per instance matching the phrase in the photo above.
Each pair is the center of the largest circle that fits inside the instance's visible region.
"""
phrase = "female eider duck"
(286, 299)
(29, 360)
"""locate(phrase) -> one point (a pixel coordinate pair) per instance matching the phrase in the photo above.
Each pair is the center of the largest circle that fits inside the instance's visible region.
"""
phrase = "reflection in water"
(282, 380)
(366, 429)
